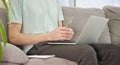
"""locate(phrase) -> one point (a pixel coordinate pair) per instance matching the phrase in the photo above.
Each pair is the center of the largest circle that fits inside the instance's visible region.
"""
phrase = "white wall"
(67, 2)
(91, 3)
(96, 3)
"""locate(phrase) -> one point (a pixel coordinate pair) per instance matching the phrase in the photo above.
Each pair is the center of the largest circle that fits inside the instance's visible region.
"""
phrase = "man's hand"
(60, 33)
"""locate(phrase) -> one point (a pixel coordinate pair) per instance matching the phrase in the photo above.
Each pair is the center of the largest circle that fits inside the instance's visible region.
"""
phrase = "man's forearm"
(28, 39)
(18, 38)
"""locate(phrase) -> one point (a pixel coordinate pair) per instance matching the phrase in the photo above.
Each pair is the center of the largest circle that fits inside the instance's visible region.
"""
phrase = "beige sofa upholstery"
(13, 55)
(113, 13)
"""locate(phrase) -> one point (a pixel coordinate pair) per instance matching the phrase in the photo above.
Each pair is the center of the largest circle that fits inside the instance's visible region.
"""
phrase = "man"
(34, 22)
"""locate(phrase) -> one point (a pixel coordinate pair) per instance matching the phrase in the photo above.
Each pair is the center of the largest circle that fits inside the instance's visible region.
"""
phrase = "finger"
(71, 30)
(66, 32)
(64, 38)
(66, 35)
(63, 29)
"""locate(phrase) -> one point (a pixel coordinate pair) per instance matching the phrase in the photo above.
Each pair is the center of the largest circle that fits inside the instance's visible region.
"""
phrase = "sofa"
(12, 55)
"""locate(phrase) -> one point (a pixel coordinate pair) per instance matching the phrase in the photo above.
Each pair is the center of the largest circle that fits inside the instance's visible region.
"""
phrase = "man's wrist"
(47, 37)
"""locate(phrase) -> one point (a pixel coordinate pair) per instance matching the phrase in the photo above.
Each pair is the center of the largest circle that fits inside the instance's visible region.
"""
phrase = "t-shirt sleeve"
(15, 11)
(60, 16)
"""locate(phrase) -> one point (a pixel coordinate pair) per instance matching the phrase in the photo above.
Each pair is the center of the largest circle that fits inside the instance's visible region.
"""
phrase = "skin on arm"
(18, 38)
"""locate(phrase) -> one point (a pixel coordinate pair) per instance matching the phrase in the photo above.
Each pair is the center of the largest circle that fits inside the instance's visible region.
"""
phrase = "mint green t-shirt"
(36, 16)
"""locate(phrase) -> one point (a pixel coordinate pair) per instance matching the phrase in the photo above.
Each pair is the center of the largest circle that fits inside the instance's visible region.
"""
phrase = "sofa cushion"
(7, 63)
(80, 18)
(50, 61)
(13, 54)
(113, 13)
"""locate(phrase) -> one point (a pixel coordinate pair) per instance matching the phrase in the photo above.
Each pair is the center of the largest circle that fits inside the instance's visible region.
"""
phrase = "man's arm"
(18, 38)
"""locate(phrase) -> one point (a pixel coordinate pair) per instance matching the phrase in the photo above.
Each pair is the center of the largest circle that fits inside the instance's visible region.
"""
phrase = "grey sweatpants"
(82, 54)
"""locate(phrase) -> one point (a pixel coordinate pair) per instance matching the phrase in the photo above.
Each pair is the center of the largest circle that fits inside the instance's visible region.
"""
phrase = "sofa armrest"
(13, 54)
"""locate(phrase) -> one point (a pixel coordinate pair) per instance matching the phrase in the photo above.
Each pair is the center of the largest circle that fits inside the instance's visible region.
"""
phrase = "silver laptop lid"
(92, 30)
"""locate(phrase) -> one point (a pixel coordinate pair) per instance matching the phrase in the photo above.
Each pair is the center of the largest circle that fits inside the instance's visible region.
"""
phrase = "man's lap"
(63, 51)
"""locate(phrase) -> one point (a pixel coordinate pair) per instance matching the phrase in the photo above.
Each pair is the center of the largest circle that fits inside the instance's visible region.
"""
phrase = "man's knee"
(89, 55)
(89, 50)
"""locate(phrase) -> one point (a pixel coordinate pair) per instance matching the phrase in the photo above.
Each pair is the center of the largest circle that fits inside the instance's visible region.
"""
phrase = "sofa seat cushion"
(50, 61)
(13, 54)
(113, 13)
(7, 63)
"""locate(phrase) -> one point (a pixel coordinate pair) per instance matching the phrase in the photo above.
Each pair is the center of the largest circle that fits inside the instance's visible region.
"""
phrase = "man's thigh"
(66, 50)
(71, 52)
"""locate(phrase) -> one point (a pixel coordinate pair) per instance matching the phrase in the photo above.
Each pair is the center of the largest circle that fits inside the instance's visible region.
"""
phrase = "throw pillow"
(113, 13)
(13, 54)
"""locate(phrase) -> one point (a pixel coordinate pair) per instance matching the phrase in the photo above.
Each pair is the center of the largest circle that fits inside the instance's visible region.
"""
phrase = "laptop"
(90, 33)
